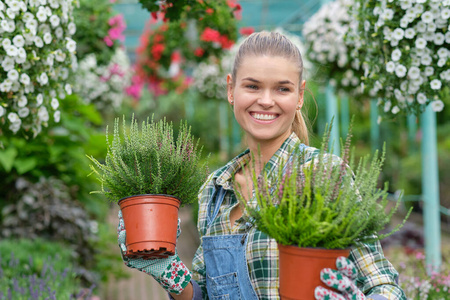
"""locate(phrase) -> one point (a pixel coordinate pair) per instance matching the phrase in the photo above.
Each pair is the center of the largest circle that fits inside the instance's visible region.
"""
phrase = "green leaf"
(24, 165)
(7, 158)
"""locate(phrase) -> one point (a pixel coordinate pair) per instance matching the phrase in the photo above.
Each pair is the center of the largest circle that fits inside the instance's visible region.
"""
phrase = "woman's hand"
(169, 272)
(342, 280)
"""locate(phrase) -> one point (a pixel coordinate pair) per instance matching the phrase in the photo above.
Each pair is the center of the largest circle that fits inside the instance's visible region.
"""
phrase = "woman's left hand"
(342, 280)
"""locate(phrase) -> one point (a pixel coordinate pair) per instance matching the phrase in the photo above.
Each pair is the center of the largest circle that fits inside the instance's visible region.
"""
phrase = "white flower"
(71, 45)
(414, 73)
(8, 64)
(400, 70)
(429, 71)
(439, 38)
(43, 79)
(22, 101)
(421, 43)
(25, 79)
(421, 98)
(435, 84)
(426, 60)
(54, 20)
(410, 33)
(395, 110)
(23, 112)
(390, 67)
(387, 106)
(53, 4)
(12, 50)
(421, 27)
(39, 100)
(445, 13)
(57, 116)
(398, 34)
(54, 103)
(43, 114)
(441, 62)
(13, 117)
(59, 32)
(437, 105)
(68, 89)
(388, 14)
(396, 54)
(447, 36)
(427, 17)
(2, 111)
(38, 42)
(442, 52)
(13, 75)
(41, 15)
(72, 28)
(6, 43)
(47, 38)
(19, 41)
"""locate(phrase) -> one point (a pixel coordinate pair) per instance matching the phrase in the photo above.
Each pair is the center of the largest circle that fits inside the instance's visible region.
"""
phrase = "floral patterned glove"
(169, 272)
(342, 280)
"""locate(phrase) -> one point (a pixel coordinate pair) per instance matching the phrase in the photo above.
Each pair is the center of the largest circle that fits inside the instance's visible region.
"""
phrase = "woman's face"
(266, 95)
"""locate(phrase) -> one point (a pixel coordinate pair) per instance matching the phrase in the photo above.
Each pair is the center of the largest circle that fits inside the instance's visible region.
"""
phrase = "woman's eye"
(284, 89)
(252, 86)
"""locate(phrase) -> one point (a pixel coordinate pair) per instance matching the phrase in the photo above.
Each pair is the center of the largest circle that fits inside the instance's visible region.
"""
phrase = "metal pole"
(412, 130)
(345, 115)
(430, 191)
(333, 112)
(374, 126)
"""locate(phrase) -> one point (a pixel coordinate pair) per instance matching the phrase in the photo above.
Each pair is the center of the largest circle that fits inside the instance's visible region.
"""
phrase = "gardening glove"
(342, 279)
(169, 272)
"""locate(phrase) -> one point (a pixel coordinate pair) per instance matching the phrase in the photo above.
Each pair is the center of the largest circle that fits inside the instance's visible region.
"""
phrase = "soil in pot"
(300, 270)
(151, 223)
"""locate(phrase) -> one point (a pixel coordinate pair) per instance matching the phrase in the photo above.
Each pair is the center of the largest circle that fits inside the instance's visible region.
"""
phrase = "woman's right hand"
(170, 272)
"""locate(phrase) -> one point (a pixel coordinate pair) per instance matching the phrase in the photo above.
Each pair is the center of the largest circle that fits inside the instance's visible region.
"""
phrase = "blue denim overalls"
(227, 274)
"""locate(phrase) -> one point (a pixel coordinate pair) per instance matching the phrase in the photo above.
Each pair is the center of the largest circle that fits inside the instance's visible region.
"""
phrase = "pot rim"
(320, 248)
(174, 197)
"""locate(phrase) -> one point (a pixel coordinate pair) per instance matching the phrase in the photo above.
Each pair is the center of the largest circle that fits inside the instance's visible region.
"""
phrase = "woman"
(235, 260)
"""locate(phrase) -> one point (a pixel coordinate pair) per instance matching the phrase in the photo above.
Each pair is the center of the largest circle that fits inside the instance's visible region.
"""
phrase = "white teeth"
(264, 117)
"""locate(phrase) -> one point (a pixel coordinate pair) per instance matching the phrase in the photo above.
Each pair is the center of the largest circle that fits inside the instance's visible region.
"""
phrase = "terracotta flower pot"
(300, 269)
(151, 223)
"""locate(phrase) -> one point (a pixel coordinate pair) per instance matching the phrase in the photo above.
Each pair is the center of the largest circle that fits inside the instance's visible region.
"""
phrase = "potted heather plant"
(317, 210)
(151, 174)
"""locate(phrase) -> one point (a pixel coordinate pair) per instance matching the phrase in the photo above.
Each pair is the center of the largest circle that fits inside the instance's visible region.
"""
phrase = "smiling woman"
(235, 260)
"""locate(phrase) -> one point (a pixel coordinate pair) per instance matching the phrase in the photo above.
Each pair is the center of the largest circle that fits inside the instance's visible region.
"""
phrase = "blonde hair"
(274, 44)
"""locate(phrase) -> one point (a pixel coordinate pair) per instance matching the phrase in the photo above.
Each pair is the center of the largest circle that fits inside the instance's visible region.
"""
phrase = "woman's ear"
(301, 93)
(230, 89)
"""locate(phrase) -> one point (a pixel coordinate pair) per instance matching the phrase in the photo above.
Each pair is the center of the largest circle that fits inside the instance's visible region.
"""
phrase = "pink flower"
(115, 33)
(108, 41)
(246, 30)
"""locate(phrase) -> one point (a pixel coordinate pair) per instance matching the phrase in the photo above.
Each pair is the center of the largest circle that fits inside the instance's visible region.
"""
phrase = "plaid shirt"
(376, 274)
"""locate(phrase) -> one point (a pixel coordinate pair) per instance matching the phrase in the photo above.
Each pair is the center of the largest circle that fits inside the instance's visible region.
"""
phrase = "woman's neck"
(262, 151)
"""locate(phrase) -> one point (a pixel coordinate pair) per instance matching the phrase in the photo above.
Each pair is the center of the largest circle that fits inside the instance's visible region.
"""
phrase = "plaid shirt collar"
(225, 175)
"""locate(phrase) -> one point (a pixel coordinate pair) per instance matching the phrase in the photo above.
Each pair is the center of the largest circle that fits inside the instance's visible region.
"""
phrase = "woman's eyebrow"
(257, 81)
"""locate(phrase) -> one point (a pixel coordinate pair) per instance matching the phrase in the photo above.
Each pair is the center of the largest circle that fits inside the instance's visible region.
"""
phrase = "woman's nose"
(265, 99)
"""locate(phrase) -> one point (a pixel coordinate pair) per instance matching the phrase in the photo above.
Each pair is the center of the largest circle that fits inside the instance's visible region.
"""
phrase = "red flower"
(199, 52)
(157, 51)
(176, 58)
(154, 15)
(210, 35)
(209, 11)
(225, 42)
(246, 30)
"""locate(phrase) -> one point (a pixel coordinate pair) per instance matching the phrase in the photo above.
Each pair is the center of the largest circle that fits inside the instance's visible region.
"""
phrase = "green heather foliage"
(149, 160)
(323, 203)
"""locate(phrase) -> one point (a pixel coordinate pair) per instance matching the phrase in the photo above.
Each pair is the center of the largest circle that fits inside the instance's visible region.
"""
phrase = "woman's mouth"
(264, 117)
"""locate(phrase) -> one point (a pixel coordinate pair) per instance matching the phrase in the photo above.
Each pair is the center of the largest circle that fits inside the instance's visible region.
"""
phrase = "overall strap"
(214, 204)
